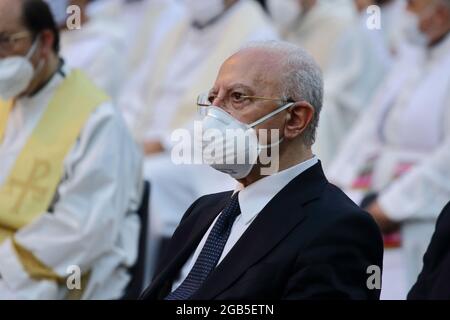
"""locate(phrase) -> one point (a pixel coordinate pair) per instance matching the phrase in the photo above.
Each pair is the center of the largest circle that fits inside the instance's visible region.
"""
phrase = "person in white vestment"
(135, 17)
(97, 45)
(90, 228)
(400, 149)
(361, 59)
(165, 100)
(315, 25)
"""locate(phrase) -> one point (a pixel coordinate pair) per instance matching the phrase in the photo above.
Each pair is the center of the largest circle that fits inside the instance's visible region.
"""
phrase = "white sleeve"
(101, 186)
(423, 192)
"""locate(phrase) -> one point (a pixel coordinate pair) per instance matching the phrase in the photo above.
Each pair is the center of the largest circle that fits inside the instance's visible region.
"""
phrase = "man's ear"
(300, 116)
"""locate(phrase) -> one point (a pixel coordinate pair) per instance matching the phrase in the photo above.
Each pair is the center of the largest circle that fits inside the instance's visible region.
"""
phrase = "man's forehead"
(257, 59)
(250, 67)
(10, 15)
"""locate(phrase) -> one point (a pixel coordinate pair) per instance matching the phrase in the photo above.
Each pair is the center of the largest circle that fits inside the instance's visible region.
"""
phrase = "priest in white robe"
(165, 100)
(71, 178)
(156, 26)
(401, 146)
(97, 46)
(136, 18)
(315, 25)
(362, 58)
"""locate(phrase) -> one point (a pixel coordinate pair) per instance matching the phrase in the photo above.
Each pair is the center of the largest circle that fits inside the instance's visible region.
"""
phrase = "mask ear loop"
(254, 124)
(268, 116)
(32, 49)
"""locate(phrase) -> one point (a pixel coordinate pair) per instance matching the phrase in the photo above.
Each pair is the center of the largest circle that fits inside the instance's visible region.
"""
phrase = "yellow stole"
(5, 109)
(31, 185)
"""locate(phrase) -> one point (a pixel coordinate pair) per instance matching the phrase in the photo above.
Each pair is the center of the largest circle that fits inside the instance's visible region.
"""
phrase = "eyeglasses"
(7, 42)
(234, 99)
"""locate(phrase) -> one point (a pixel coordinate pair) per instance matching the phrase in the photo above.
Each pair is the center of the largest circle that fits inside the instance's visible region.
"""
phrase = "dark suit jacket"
(309, 242)
(434, 280)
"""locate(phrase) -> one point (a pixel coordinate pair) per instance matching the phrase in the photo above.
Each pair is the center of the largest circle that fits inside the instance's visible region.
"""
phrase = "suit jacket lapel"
(282, 214)
(181, 250)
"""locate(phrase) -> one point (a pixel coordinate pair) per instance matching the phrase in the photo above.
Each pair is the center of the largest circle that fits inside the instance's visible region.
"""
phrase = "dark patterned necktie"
(210, 254)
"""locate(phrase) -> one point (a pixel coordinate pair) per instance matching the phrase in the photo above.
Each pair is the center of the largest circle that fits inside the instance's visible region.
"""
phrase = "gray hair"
(302, 78)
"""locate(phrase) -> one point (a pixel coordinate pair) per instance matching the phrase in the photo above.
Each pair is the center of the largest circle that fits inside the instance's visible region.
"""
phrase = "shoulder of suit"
(334, 216)
(446, 210)
(335, 204)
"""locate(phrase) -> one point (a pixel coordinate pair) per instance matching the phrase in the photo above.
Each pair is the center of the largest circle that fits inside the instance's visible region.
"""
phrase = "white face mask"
(284, 12)
(203, 11)
(59, 10)
(237, 159)
(411, 30)
(16, 74)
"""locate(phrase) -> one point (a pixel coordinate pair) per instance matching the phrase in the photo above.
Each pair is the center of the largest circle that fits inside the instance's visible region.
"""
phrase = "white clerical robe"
(318, 29)
(407, 131)
(361, 60)
(175, 187)
(92, 222)
(97, 48)
(152, 24)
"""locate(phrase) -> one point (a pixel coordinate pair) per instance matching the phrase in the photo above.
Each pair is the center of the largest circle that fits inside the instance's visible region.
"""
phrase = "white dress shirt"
(252, 200)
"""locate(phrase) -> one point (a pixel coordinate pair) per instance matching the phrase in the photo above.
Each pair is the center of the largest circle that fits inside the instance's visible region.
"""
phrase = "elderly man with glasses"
(186, 47)
(286, 235)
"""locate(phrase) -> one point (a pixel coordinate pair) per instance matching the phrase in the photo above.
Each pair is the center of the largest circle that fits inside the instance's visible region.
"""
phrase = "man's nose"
(221, 103)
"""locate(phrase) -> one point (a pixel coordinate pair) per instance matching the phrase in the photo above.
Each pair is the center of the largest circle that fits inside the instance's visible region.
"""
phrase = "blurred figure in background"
(359, 63)
(70, 178)
(147, 23)
(290, 235)
(314, 25)
(400, 149)
(164, 99)
(97, 46)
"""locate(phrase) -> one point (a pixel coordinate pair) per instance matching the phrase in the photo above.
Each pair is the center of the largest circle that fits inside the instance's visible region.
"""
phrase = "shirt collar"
(253, 198)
